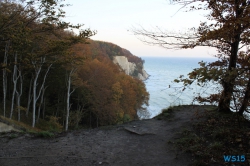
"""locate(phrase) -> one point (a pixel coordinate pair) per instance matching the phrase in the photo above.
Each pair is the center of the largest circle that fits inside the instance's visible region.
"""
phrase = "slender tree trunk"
(35, 95)
(68, 77)
(67, 102)
(29, 98)
(41, 103)
(5, 77)
(4, 91)
(18, 107)
(15, 78)
(19, 94)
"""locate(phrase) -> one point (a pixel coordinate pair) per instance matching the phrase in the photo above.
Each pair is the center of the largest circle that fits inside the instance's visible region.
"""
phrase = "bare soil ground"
(139, 143)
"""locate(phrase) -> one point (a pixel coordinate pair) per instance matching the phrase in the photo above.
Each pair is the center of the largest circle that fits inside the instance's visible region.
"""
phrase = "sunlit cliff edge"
(129, 63)
(131, 68)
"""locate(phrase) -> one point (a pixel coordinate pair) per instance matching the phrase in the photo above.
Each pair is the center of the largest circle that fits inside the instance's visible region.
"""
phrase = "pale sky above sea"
(114, 19)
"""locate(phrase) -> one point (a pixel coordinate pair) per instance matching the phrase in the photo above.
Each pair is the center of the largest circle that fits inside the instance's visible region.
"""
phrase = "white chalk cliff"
(130, 68)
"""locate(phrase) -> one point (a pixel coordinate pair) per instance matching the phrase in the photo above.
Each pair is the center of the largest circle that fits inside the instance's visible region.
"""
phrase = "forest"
(53, 78)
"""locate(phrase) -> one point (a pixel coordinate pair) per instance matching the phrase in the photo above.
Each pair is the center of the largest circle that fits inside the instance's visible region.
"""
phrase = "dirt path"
(140, 143)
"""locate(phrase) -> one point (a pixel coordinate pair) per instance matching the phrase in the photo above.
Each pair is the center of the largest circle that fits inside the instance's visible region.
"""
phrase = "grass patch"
(45, 129)
(219, 134)
(50, 124)
(13, 135)
(19, 125)
(42, 134)
(167, 113)
(45, 134)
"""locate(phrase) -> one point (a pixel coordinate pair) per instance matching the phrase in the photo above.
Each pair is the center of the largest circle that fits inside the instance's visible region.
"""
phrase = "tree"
(19, 92)
(5, 75)
(33, 31)
(111, 96)
(69, 75)
(228, 32)
(37, 67)
(15, 79)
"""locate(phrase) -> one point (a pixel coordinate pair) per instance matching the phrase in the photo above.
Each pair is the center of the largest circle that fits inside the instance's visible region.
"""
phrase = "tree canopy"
(51, 78)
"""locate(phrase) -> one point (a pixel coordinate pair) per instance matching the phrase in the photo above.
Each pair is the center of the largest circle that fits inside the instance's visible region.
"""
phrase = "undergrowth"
(45, 129)
(167, 113)
(43, 134)
(219, 135)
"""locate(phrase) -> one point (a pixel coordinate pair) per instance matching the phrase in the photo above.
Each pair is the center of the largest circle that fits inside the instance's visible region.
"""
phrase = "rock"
(122, 61)
(129, 68)
(139, 131)
(6, 128)
(143, 76)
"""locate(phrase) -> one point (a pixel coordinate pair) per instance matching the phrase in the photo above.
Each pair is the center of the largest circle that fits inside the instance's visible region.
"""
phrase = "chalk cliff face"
(130, 68)
(143, 76)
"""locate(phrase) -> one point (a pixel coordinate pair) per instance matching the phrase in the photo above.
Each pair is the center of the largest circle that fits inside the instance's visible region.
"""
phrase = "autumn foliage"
(50, 75)
(113, 95)
(227, 29)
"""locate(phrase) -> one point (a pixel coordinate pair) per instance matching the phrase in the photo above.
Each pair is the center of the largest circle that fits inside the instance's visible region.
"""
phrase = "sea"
(164, 92)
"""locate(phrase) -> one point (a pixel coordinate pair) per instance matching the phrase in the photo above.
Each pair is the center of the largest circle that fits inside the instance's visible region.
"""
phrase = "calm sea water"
(163, 91)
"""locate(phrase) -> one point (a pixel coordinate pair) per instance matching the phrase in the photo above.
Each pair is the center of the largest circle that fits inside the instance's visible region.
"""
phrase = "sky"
(114, 19)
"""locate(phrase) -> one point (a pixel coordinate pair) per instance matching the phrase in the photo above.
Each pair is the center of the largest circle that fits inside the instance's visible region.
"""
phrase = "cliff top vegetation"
(52, 79)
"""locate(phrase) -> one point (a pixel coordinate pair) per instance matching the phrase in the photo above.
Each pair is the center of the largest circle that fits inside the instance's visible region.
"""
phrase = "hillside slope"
(129, 63)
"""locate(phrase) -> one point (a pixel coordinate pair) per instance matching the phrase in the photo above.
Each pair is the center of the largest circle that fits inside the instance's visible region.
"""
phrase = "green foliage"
(13, 135)
(135, 73)
(51, 124)
(167, 113)
(126, 118)
(75, 118)
(44, 134)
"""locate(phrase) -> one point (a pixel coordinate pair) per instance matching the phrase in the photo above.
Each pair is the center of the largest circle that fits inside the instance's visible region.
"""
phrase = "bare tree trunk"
(29, 98)
(41, 103)
(5, 76)
(67, 102)
(35, 95)
(68, 77)
(19, 94)
(18, 107)
(15, 78)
